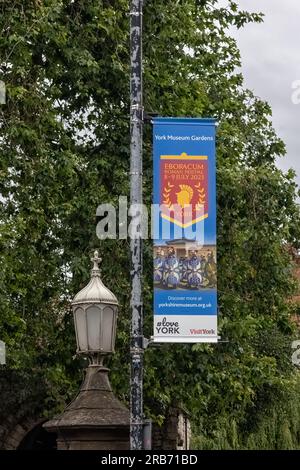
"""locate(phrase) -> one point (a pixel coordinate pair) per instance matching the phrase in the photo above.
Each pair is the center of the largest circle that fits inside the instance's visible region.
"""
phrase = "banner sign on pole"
(184, 231)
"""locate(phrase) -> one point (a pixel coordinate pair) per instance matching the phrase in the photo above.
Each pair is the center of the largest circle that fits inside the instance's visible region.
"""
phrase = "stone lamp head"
(95, 310)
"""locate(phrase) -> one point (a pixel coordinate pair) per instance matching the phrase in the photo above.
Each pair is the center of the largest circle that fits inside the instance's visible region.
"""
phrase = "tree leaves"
(64, 148)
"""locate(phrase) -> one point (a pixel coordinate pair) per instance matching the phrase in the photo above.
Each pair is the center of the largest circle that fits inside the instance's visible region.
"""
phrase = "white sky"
(270, 54)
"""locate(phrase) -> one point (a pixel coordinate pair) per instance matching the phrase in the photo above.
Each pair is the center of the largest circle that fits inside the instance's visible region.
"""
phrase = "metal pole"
(136, 165)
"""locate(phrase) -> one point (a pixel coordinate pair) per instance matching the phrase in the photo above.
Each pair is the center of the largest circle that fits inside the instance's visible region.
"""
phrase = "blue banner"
(184, 230)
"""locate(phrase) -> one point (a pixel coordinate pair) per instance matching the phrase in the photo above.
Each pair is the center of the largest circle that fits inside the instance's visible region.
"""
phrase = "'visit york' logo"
(165, 327)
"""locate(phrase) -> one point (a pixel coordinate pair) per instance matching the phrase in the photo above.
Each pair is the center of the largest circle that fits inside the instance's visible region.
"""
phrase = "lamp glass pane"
(108, 330)
(81, 329)
(94, 325)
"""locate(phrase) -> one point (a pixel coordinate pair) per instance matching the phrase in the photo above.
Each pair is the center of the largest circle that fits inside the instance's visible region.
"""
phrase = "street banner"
(184, 230)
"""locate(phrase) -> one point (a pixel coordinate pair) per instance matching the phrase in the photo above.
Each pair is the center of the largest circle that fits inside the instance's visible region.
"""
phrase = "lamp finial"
(96, 260)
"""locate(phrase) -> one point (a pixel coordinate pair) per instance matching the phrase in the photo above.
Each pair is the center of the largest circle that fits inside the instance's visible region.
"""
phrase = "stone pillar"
(95, 420)
(175, 434)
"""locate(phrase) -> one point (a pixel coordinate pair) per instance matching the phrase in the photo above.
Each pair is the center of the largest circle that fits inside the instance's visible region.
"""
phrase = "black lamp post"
(136, 168)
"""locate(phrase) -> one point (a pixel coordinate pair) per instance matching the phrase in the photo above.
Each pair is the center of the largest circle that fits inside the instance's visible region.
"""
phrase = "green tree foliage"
(277, 429)
(64, 150)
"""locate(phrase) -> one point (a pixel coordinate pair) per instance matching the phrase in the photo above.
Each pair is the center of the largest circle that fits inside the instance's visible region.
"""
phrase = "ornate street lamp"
(95, 419)
(95, 310)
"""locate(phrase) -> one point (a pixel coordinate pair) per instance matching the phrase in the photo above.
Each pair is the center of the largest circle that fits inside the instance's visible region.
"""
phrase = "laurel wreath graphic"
(201, 192)
(166, 194)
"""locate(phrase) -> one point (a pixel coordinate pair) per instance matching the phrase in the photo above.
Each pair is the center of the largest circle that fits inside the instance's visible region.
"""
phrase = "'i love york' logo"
(167, 327)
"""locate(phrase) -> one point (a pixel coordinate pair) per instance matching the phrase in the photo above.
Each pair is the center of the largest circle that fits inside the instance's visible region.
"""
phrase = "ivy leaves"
(64, 148)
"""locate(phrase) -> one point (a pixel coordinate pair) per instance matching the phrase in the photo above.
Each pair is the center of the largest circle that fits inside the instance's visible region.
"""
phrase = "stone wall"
(175, 434)
(22, 397)
(12, 431)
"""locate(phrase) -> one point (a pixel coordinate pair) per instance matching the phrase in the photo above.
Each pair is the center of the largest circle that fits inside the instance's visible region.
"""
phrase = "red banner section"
(184, 188)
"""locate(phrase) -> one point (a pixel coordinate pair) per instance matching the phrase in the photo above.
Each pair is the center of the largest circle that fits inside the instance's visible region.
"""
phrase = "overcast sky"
(271, 63)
